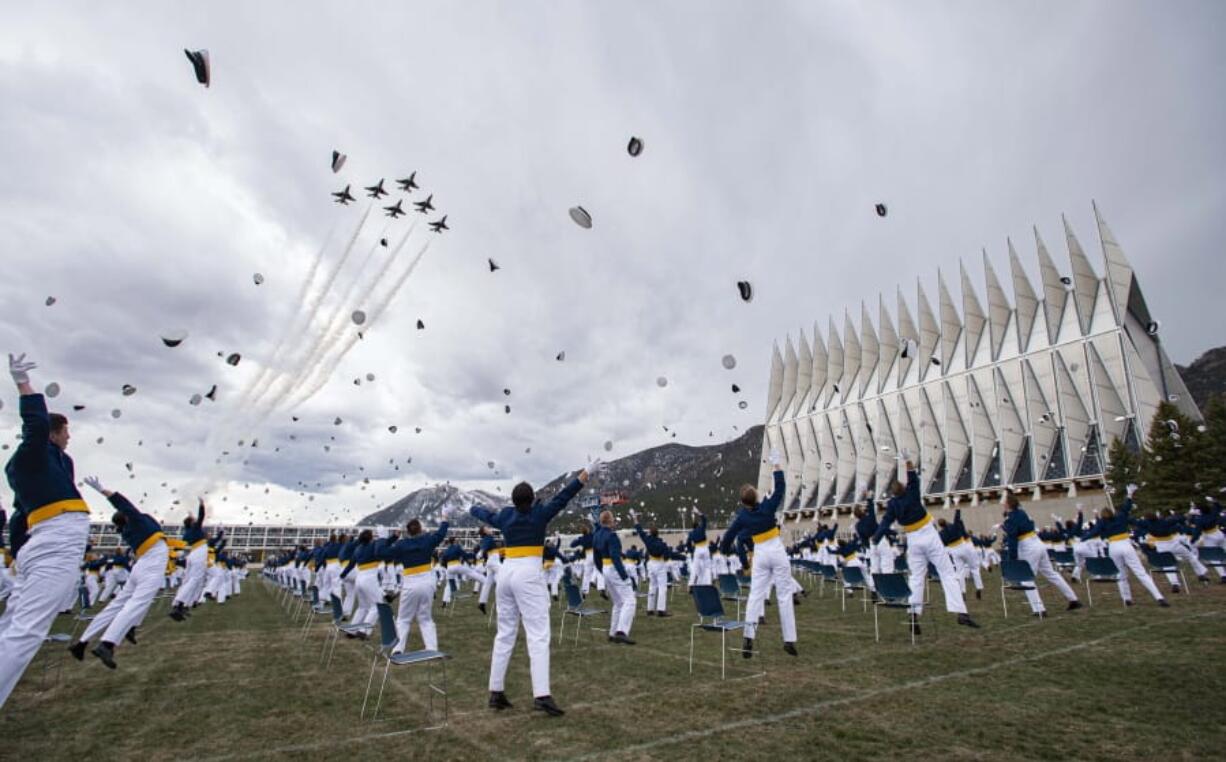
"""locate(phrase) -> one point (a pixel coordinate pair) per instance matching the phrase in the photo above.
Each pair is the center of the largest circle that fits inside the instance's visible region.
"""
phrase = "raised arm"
(439, 535)
(200, 515)
(729, 538)
(123, 505)
(564, 496)
(35, 430)
(481, 513)
(771, 504)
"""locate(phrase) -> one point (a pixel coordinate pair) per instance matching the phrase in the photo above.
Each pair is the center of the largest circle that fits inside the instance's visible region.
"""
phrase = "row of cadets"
(1113, 527)
(553, 566)
(924, 547)
(330, 583)
(490, 552)
(1021, 542)
(454, 558)
(658, 556)
(414, 554)
(849, 551)
(196, 564)
(1169, 533)
(521, 593)
(591, 574)
(962, 552)
(48, 529)
(346, 586)
(700, 569)
(1074, 529)
(120, 618)
(607, 548)
(988, 555)
(757, 521)
(1207, 526)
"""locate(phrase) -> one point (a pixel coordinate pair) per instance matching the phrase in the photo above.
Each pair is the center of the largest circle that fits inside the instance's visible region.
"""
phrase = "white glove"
(904, 454)
(1131, 489)
(596, 468)
(634, 516)
(19, 368)
(774, 458)
(96, 483)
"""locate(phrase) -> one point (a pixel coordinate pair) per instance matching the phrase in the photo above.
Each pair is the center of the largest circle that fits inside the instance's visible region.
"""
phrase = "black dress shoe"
(966, 621)
(978, 595)
(663, 613)
(1074, 605)
(747, 648)
(106, 652)
(915, 625)
(482, 607)
(1175, 589)
(545, 704)
(622, 638)
(498, 700)
(130, 635)
(78, 650)
(790, 648)
(1164, 603)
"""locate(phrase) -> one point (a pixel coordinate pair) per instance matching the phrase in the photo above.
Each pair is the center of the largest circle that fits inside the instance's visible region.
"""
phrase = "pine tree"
(1124, 469)
(1211, 449)
(1168, 465)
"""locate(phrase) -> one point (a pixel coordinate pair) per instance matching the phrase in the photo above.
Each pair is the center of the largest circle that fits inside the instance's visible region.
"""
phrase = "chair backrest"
(853, 576)
(314, 595)
(338, 613)
(573, 598)
(1016, 572)
(1101, 567)
(828, 571)
(892, 588)
(706, 601)
(1063, 557)
(387, 626)
(728, 585)
(1212, 555)
(1162, 560)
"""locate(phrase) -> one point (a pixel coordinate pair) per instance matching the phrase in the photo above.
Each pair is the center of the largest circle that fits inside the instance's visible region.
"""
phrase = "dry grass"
(236, 682)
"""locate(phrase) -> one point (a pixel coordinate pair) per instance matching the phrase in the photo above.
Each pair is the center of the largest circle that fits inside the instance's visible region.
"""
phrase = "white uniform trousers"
(522, 597)
(458, 572)
(491, 574)
(881, 557)
(91, 586)
(1034, 553)
(1182, 550)
(624, 601)
(348, 589)
(701, 574)
(110, 581)
(924, 547)
(966, 562)
(1081, 551)
(771, 567)
(657, 593)
(129, 607)
(47, 567)
(368, 596)
(1125, 557)
(416, 601)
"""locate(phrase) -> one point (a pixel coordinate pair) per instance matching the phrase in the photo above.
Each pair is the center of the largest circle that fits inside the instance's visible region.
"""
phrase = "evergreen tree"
(1124, 469)
(1168, 465)
(1211, 449)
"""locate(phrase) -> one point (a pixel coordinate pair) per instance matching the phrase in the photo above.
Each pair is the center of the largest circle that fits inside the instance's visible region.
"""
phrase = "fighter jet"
(425, 206)
(376, 190)
(395, 210)
(343, 196)
(440, 225)
(408, 183)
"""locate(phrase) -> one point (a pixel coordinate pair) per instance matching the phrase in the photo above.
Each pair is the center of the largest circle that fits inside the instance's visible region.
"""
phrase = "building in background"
(984, 394)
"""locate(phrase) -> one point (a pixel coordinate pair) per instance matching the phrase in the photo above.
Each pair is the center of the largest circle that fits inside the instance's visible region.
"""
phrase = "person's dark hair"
(942, 523)
(366, 536)
(1010, 500)
(655, 531)
(413, 527)
(897, 488)
(749, 495)
(58, 422)
(522, 496)
(188, 521)
(119, 520)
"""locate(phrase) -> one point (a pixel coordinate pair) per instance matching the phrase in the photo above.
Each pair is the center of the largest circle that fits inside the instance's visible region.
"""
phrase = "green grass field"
(236, 682)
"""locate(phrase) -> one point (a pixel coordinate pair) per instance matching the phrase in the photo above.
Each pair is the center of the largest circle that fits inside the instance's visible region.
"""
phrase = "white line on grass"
(919, 683)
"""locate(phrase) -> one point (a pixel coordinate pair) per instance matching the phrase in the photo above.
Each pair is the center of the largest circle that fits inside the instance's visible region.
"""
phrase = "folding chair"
(853, 580)
(1063, 560)
(707, 602)
(1165, 563)
(827, 573)
(1015, 574)
(932, 576)
(1101, 569)
(339, 629)
(388, 641)
(575, 608)
(317, 607)
(730, 590)
(893, 592)
(1214, 557)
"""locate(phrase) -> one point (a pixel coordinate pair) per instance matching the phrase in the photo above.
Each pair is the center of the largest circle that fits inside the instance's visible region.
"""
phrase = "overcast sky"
(144, 202)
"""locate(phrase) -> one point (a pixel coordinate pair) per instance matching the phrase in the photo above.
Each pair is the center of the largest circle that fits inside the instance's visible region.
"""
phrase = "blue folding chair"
(893, 592)
(1211, 556)
(1164, 562)
(730, 590)
(711, 619)
(1063, 560)
(854, 580)
(1101, 569)
(387, 644)
(576, 608)
(1015, 574)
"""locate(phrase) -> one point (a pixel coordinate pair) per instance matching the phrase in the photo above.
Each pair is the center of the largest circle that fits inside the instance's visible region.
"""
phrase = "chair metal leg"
(1004, 604)
(1089, 595)
(369, 683)
(723, 653)
(876, 628)
(387, 666)
(691, 649)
